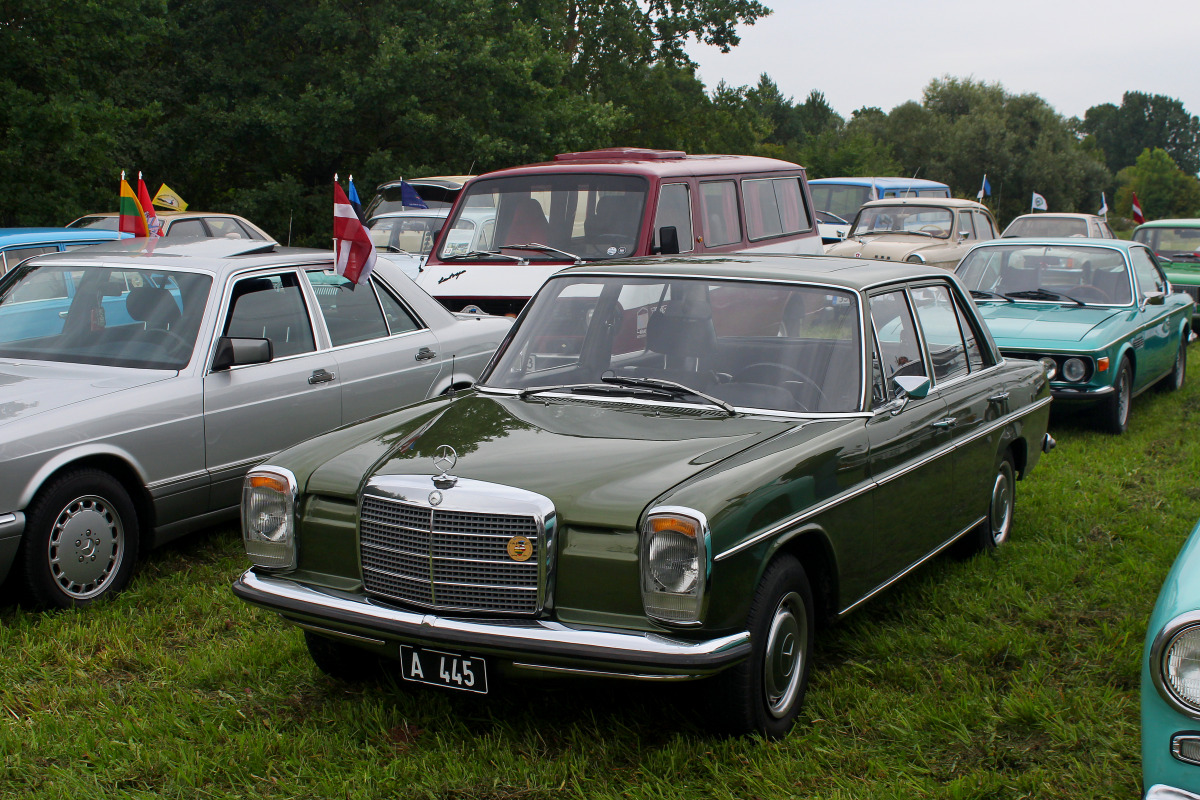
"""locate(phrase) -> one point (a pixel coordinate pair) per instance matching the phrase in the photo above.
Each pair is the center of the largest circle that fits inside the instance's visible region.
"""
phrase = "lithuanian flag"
(133, 218)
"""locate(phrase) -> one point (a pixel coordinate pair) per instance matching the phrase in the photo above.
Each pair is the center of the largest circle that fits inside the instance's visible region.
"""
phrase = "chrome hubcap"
(86, 547)
(783, 662)
(1123, 399)
(1002, 505)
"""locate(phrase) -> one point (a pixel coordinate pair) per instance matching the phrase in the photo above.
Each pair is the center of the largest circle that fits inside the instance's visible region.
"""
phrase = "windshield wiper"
(484, 254)
(984, 293)
(391, 248)
(1044, 294)
(596, 388)
(542, 248)
(671, 386)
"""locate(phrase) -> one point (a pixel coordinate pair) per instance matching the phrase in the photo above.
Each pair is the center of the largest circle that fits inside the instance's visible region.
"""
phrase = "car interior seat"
(154, 307)
(528, 224)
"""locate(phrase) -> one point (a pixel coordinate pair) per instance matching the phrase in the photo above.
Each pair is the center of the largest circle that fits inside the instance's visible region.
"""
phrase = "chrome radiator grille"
(448, 559)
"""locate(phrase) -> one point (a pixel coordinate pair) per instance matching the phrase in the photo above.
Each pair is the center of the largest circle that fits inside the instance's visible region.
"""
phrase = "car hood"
(1012, 323)
(31, 388)
(888, 246)
(600, 463)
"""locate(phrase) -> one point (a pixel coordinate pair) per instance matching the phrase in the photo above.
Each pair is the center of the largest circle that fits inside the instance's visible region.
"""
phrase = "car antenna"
(290, 212)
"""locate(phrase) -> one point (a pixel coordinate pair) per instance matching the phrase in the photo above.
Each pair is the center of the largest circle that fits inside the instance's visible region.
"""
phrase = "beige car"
(924, 230)
(186, 224)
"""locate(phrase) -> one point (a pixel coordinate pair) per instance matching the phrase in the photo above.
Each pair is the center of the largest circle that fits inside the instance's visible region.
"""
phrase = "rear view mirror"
(233, 352)
(914, 386)
(668, 239)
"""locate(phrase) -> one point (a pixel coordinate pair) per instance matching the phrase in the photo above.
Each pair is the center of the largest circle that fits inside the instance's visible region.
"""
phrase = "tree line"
(251, 108)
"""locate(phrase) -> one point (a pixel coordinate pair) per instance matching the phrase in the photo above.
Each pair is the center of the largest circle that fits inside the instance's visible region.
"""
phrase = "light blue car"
(1171, 684)
(18, 244)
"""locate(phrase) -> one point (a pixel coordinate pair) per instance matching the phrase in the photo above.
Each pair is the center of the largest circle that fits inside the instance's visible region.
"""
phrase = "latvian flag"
(353, 253)
(1137, 210)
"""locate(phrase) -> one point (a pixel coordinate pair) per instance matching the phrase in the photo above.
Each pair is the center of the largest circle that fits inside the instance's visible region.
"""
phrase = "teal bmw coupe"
(1100, 312)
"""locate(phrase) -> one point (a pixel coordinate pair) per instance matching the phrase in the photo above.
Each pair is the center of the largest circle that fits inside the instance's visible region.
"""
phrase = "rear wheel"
(764, 693)
(996, 529)
(1175, 379)
(81, 540)
(1115, 411)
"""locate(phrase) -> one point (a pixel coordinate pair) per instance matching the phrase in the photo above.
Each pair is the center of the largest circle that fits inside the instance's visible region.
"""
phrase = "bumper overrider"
(1084, 394)
(1161, 792)
(527, 643)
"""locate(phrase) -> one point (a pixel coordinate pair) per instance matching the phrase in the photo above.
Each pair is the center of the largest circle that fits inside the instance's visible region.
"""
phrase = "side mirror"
(236, 352)
(1154, 298)
(914, 386)
(668, 240)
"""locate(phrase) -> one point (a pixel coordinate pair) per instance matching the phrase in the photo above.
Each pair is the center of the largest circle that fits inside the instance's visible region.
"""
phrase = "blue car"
(1171, 684)
(18, 244)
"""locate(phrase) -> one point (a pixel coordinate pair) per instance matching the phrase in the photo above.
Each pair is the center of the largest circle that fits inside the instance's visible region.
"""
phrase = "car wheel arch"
(810, 546)
(1018, 448)
(121, 469)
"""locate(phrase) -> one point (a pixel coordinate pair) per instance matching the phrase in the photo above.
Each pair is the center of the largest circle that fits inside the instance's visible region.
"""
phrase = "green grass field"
(1010, 676)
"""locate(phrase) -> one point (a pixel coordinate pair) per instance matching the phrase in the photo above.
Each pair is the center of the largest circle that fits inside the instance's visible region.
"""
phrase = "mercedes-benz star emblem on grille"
(444, 459)
(435, 498)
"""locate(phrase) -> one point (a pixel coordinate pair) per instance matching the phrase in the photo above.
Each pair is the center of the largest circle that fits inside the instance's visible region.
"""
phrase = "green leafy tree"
(1164, 191)
(1145, 121)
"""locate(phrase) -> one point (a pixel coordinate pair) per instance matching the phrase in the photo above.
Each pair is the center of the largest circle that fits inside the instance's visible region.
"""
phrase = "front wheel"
(1115, 411)
(81, 541)
(764, 693)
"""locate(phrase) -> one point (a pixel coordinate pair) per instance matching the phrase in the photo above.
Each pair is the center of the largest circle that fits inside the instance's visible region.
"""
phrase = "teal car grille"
(449, 560)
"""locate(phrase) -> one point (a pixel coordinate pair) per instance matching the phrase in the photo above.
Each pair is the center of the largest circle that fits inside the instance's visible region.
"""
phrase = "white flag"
(1103, 212)
(1039, 203)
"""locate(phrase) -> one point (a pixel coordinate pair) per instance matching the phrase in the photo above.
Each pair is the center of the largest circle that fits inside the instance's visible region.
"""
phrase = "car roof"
(640, 161)
(1057, 215)
(849, 273)
(887, 183)
(441, 181)
(1058, 241)
(942, 202)
(1171, 223)
(217, 256)
(41, 235)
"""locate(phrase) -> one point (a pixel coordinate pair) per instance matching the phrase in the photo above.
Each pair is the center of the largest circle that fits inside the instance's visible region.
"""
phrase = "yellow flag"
(166, 198)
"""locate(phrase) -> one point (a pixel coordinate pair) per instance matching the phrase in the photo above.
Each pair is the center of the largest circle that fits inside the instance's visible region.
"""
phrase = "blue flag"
(409, 197)
(985, 190)
(355, 203)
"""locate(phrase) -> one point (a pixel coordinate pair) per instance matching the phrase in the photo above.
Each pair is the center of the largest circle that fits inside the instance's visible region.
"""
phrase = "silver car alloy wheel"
(1123, 392)
(1002, 504)
(783, 658)
(86, 546)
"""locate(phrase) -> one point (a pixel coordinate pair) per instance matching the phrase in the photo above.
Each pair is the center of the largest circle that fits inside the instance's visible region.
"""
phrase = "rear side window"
(774, 207)
(187, 227)
(718, 203)
(10, 258)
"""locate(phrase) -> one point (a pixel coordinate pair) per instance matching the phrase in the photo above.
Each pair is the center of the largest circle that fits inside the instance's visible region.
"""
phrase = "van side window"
(675, 209)
(774, 207)
(718, 204)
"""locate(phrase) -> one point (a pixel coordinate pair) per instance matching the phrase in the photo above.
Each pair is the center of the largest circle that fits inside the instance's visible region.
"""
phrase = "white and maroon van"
(613, 203)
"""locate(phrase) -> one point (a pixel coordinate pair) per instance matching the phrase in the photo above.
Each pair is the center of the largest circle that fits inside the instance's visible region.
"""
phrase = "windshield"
(927, 220)
(104, 223)
(1057, 227)
(585, 215)
(785, 347)
(839, 199)
(119, 317)
(407, 234)
(1091, 275)
(1168, 242)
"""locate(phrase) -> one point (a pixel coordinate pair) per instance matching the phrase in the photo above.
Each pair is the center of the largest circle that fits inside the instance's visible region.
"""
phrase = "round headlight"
(1050, 366)
(1181, 666)
(1074, 370)
(673, 561)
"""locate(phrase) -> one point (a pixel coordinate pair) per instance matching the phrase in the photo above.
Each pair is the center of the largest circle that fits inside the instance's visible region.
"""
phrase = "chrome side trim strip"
(526, 638)
(909, 568)
(865, 486)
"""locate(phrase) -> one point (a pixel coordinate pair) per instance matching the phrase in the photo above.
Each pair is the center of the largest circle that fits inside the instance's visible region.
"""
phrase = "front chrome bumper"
(529, 643)
(1084, 395)
(1161, 792)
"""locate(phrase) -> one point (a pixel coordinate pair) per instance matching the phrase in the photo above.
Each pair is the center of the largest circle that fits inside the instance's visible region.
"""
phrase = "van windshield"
(841, 199)
(575, 214)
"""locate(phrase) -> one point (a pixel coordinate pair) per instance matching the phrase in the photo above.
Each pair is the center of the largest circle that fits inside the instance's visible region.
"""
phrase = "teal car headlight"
(674, 561)
(1074, 370)
(269, 517)
(1175, 663)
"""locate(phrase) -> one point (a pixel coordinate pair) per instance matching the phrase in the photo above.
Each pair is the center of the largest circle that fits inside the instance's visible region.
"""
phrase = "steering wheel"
(1089, 294)
(802, 387)
(937, 230)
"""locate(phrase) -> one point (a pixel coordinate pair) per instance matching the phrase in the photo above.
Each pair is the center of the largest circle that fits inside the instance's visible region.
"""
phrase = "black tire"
(81, 541)
(1175, 379)
(764, 693)
(1114, 412)
(996, 529)
(341, 660)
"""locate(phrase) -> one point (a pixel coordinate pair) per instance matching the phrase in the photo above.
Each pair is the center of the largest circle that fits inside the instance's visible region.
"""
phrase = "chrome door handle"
(321, 376)
(998, 397)
(945, 422)
(424, 354)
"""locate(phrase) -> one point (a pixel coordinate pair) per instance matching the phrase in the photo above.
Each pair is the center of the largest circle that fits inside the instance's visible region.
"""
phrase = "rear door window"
(774, 207)
(718, 204)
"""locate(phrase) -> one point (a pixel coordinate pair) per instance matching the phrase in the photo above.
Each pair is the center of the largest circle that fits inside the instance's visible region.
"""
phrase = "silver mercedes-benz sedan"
(139, 382)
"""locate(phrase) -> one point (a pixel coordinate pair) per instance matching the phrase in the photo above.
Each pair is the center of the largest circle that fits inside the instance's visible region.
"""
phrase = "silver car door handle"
(945, 422)
(424, 354)
(321, 376)
(998, 397)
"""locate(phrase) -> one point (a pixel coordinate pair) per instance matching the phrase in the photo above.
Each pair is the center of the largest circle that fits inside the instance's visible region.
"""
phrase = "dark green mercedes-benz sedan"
(674, 468)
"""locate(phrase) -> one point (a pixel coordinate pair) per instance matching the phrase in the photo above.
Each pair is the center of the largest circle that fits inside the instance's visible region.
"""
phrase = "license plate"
(437, 667)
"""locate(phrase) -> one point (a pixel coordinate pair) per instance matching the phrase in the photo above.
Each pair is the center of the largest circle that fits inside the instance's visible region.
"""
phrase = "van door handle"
(321, 376)
(945, 422)
(424, 354)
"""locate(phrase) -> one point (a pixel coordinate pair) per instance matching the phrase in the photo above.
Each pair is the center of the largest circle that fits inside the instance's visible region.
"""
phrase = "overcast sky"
(883, 53)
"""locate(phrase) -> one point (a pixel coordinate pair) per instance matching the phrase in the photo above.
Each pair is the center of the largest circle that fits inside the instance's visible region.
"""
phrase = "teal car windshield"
(126, 317)
(1049, 273)
(1171, 243)
(747, 344)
